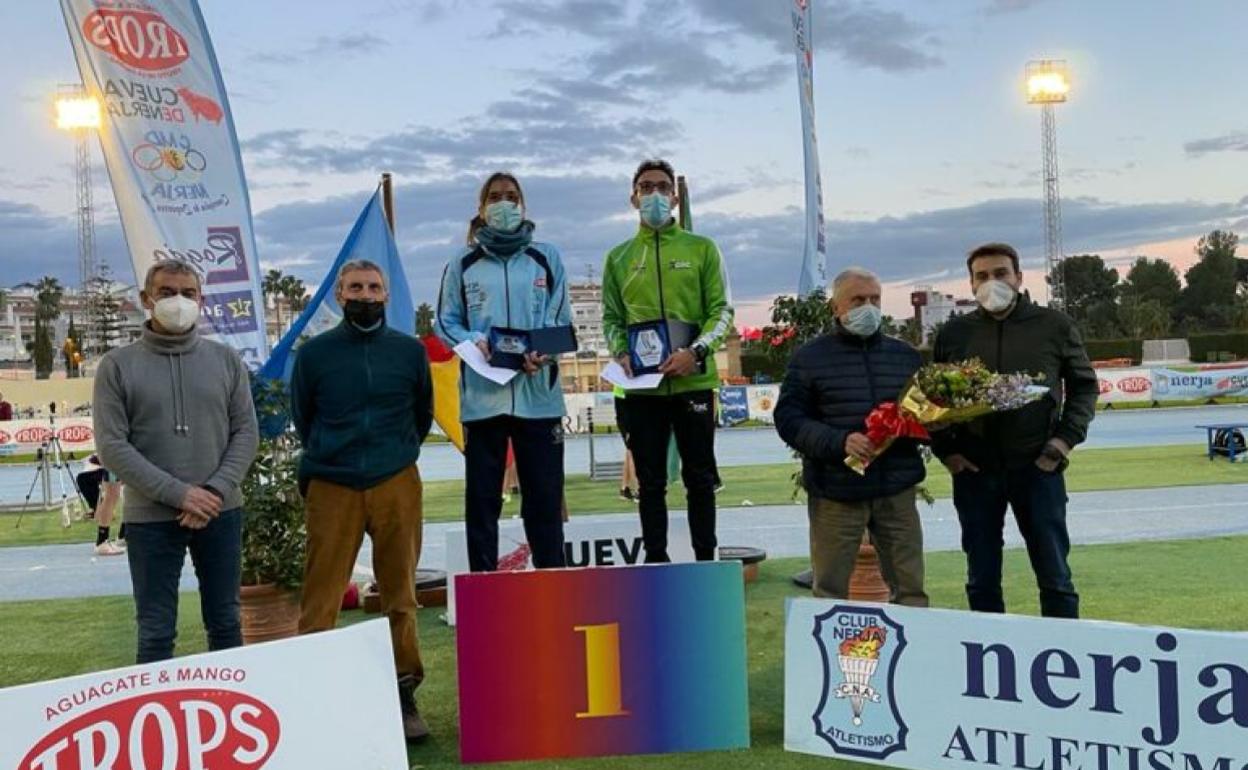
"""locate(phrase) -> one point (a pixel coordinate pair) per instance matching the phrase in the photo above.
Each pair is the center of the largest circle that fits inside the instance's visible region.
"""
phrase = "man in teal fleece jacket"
(362, 402)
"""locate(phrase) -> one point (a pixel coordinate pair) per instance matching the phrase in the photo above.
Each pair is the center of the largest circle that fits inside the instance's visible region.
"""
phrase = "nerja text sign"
(935, 689)
(588, 662)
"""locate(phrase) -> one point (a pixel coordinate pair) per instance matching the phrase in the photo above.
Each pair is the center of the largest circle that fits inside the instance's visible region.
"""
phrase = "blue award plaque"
(649, 345)
(508, 346)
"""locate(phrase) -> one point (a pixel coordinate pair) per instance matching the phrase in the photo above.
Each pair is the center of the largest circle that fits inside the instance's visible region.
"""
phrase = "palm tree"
(48, 293)
(295, 293)
(271, 285)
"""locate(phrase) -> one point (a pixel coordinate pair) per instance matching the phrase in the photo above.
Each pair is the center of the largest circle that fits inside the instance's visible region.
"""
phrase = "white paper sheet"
(470, 354)
(614, 374)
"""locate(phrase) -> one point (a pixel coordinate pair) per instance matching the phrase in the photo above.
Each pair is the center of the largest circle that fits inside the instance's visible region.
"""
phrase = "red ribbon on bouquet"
(887, 423)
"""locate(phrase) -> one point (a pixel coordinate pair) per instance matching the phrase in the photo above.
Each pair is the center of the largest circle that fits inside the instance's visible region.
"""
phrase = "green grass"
(1090, 470)
(1150, 583)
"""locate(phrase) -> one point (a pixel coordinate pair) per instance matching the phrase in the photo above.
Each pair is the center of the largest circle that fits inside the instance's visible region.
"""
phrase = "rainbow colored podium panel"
(592, 662)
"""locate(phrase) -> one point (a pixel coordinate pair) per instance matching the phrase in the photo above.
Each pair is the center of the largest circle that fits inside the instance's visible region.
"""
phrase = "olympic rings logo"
(168, 164)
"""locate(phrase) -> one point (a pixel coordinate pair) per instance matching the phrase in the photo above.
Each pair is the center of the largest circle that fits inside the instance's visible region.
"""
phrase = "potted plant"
(274, 527)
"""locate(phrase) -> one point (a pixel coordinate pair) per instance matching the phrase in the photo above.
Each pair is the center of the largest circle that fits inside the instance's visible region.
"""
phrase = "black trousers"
(1038, 500)
(651, 422)
(538, 446)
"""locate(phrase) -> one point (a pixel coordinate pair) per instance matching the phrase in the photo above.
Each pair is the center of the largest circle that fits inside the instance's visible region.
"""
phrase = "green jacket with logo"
(674, 275)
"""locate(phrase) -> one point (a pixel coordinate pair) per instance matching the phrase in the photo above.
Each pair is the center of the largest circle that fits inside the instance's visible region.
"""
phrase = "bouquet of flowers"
(943, 394)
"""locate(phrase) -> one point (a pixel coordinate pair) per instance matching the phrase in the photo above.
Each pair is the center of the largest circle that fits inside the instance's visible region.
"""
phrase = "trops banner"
(318, 701)
(172, 154)
(814, 257)
(937, 689)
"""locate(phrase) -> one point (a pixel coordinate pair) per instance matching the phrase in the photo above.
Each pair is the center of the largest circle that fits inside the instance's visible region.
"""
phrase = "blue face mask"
(503, 216)
(656, 209)
(863, 320)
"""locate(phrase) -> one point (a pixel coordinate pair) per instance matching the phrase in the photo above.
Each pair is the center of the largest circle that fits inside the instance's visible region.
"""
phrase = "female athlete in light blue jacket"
(506, 279)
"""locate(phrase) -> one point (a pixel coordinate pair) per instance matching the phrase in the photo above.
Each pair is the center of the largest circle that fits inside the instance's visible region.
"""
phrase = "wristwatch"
(700, 351)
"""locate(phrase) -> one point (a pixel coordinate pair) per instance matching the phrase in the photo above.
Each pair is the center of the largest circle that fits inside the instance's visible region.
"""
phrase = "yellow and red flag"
(444, 367)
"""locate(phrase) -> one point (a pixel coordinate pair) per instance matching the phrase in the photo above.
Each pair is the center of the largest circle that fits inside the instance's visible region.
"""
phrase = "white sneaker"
(107, 548)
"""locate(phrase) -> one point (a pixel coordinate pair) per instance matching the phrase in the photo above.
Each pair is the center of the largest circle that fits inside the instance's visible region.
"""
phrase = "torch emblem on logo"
(859, 656)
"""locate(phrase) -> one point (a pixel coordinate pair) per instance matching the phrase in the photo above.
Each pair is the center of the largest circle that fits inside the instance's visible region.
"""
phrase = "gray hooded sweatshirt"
(172, 412)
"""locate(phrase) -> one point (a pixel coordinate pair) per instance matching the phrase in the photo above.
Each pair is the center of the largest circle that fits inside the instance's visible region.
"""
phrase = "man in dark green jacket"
(362, 401)
(1016, 458)
(667, 275)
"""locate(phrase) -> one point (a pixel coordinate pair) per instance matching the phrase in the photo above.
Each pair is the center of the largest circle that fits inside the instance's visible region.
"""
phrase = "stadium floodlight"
(77, 113)
(1048, 83)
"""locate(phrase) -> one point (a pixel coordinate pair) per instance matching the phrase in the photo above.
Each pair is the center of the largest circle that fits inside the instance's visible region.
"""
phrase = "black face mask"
(364, 315)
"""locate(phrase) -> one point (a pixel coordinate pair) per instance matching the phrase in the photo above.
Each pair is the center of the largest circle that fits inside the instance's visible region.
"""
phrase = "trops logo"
(857, 714)
(137, 38)
(171, 729)
(76, 434)
(1135, 384)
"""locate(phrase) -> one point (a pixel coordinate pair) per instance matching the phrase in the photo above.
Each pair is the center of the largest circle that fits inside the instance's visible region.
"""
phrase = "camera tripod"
(50, 464)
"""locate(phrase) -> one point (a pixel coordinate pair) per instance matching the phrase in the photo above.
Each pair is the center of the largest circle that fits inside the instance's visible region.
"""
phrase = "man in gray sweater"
(174, 421)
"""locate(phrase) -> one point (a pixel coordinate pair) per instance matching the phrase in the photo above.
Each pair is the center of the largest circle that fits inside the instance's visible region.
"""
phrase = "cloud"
(1233, 142)
(324, 47)
(37, 243)
(1002, 7)
(543, 129)
(699, 44)
(596, 18)
(858, 32)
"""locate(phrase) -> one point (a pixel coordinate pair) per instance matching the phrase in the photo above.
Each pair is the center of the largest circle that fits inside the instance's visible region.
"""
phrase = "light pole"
(80, 114)
(1048, 83)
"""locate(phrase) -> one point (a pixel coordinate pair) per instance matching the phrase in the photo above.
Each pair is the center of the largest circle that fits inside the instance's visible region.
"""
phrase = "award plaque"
(651, 342)
(648, 346)
(509, 346)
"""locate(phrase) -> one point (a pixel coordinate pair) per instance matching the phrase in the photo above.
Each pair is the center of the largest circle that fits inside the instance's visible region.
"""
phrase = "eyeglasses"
(645, 188)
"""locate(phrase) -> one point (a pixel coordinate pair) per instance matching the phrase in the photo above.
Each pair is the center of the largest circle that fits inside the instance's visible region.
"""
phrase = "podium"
(594, 662)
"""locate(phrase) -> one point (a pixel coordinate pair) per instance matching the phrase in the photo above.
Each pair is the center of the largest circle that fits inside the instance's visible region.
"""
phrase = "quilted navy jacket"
(832, 384)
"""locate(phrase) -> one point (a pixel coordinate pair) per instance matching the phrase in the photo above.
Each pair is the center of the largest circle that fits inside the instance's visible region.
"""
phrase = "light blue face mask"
(503, 216)
(863, 320)
(656, 209)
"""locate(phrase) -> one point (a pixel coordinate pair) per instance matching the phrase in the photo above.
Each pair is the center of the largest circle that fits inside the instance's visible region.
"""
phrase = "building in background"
(932, 308)
(119, 316)
(586, 302)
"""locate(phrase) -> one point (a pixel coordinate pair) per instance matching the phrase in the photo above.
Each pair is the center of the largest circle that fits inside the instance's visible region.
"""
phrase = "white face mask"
(863, 320)
(995, 296)
(504, 216)
(176, 314)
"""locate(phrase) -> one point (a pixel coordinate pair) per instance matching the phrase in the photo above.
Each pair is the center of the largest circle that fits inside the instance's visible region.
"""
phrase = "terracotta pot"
(866, 584)
(269, 613)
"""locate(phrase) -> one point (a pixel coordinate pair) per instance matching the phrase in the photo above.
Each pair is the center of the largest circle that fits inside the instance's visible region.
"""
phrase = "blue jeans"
(1038, 500)
(156, 552)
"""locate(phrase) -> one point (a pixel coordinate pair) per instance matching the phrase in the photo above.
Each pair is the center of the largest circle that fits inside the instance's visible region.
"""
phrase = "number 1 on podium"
(602, 671)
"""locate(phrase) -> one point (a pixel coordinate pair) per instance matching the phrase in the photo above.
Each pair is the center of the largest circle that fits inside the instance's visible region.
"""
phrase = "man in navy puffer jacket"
(832, 384)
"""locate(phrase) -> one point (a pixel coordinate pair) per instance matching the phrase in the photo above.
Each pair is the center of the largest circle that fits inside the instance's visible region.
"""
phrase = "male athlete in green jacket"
(665, 274)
